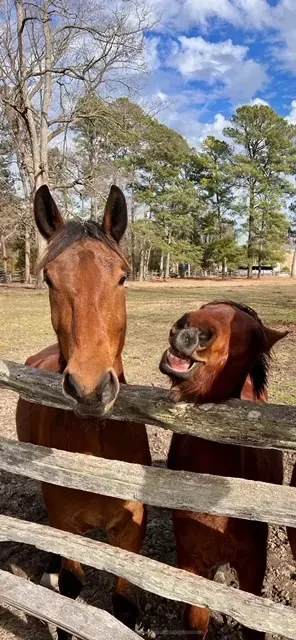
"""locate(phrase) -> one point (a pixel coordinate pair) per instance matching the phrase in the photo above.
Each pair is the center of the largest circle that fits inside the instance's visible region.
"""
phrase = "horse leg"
(251, 567)
(71, 574)
(196, 619)
(128, 535)
(50, 578)
(192, 552)
(292, 531)
(71, 580)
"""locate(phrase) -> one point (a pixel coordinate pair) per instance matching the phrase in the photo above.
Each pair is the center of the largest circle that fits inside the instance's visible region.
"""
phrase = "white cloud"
(278, 21)
(259, 102)
(283, 20)
(151, 53)
(218, 63)
(215, 128)
(291, 117)
(161, 96)
(188, 124)
(182, 14)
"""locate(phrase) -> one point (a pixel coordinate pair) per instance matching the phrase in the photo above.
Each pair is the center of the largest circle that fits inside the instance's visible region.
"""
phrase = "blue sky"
(206, 57)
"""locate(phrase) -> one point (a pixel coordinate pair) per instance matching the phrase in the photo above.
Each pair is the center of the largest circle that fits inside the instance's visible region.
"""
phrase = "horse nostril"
(71, 387)
(108, 389)
(187, 340)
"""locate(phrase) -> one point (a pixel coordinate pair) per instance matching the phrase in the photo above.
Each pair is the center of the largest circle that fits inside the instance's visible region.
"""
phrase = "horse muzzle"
(98, 402)
(178, 366)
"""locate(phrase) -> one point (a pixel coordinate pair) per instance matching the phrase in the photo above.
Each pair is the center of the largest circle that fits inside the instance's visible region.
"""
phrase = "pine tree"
(265, 157)
(211, 172)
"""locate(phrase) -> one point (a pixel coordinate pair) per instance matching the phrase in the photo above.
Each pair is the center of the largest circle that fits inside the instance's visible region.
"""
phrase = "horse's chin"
(89, 409)
(178, 366)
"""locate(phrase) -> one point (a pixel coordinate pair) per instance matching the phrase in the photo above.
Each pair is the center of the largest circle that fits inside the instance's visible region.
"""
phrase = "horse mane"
(74, 231)
(260, 369)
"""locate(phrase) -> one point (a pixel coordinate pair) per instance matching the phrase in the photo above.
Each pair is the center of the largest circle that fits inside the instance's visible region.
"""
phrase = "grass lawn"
(26, 327)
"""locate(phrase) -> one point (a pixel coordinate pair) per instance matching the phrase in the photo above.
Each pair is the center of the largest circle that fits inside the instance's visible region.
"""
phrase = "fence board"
(80, 619)
(154, 576)
(237, 422)
(159, 487)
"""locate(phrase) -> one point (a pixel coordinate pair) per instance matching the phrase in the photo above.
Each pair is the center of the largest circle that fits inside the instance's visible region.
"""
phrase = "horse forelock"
(77, 231)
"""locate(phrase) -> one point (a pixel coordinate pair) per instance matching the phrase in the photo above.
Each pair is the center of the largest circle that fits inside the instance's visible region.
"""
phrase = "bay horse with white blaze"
(220, 352)
(85, 272)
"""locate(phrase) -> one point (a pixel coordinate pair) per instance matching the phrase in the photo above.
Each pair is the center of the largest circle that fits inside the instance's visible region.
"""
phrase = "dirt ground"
(25, 328)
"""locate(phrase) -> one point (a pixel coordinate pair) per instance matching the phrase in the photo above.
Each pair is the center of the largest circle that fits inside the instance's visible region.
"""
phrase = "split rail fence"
(236, 422)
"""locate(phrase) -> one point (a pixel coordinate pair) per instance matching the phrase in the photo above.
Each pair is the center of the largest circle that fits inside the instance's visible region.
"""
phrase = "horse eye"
(204, 336)
(183, 323)
(48, 281)
(122, 281)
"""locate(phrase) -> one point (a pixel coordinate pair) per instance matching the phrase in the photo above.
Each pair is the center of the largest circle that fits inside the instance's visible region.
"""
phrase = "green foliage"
(265, 157)
(215, 208)
(211, 172)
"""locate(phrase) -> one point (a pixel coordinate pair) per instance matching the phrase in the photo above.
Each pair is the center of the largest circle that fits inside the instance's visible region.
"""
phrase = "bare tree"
(52, 52)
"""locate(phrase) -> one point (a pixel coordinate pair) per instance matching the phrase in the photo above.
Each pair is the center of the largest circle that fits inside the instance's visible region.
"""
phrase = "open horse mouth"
(178, 365)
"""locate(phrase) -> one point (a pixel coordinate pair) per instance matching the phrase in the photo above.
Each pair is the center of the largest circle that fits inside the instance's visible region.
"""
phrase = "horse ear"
(47, 215)
(115, 214)
(274, 336)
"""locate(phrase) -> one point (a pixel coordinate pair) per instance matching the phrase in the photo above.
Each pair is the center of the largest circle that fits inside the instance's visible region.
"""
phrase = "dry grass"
(26, 328)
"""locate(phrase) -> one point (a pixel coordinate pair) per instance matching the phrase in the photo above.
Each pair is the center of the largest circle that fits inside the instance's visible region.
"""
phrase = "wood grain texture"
(80, 619)
(155, 486)
(237, 422)
(175, 584)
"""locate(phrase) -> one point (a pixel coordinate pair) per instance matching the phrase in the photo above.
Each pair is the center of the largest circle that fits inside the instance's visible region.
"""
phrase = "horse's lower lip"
(180, 370)
(178, 363)
(92, 408)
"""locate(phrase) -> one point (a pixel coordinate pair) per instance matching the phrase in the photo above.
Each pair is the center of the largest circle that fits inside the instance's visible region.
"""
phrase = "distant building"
(287, 262)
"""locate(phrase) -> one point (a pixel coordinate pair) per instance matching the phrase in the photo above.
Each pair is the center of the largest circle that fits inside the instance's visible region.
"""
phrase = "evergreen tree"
(265, 157)
(211, 171)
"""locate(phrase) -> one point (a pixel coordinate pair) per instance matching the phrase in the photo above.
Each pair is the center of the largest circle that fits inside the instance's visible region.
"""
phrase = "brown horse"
(85, 272)
(221, 351)
(292, 531)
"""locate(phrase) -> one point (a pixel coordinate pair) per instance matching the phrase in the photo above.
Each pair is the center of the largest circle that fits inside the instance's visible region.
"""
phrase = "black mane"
(74, 231)
(260, 368)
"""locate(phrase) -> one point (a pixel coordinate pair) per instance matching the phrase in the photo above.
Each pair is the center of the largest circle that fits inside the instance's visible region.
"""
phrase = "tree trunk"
(94, 208)
(161, 263)
(146, 262)
(27, 256)
(132, 237)
(167, 267)
(4, 257)
(41, 245)
(293, 268)
(141, 270)
(224, 268)
(251, 230)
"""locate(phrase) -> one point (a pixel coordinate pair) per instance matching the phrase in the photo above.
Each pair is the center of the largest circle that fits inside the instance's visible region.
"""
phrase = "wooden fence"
(251, 424)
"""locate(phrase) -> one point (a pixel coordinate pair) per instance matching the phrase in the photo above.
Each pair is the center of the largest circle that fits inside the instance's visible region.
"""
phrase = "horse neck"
(212, 386)
(219, 386)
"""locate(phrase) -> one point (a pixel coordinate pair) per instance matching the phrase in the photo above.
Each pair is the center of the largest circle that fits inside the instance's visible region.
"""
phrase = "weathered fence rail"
(266, 426)
(80, 619)
(154, 576)
(251, 424)
(155, 486)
